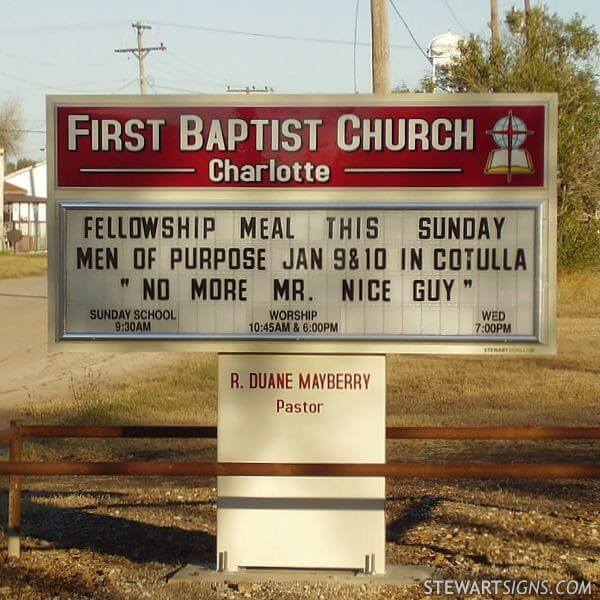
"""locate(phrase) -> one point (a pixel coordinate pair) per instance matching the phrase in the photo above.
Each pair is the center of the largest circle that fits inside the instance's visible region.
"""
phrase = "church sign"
(410, 223)
(312, 146)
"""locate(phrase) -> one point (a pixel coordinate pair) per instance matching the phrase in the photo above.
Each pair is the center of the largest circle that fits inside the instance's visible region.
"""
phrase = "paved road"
(28, 374)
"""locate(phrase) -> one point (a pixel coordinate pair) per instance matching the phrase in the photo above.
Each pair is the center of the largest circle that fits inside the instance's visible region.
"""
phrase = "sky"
(67, 46)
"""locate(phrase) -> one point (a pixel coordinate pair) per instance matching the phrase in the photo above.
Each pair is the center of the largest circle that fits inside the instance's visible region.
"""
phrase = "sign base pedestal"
(308, 409)
(396, 575)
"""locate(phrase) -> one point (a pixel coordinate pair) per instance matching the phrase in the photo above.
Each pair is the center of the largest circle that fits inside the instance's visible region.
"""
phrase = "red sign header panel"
(484, 146)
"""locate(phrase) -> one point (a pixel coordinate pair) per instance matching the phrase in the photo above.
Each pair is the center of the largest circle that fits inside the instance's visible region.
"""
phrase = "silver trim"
(544, 197)
(539, 270)
(280, 205)
(304, 338)
(139, 170)
(401, 170)
(416, 101)
(61, 321)
(64, 206)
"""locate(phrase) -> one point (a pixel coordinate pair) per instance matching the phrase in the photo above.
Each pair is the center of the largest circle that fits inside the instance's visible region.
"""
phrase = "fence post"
(14, 495)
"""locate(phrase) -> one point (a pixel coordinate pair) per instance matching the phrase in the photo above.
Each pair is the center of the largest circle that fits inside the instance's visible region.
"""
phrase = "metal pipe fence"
(17, 469)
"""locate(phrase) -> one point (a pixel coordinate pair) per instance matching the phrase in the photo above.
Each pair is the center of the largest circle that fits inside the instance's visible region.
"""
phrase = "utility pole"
(494, 24)
(527, 11)
(380, 47)
(140, 52)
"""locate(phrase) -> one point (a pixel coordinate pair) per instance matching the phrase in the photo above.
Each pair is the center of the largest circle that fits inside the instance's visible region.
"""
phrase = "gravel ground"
(124, 538)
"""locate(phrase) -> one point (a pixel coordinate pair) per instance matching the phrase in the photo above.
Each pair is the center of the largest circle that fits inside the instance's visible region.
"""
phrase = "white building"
(25, 206)
(31, 179)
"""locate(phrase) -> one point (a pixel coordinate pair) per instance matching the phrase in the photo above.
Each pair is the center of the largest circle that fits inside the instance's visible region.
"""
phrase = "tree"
(11, 127)
(21, 163)
(542, 53)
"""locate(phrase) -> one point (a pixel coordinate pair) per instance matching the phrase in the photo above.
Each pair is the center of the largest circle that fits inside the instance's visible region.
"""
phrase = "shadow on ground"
(27, 579)
(76, 528)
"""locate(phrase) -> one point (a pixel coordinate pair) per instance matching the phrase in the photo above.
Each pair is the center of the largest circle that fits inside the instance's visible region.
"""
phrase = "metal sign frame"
(543, 199)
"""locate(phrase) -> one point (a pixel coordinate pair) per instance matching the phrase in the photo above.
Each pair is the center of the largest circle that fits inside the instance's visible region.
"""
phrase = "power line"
(168, 72)
(414, 39)
(196, 69)
(18, 90)
(355, 41)
(63, 87)
(178, 68)
(151, 84)
(124, 86)
(58, 28)
(456, 19)
(177, 89)
(23, 131)
(66, 86)
(276, 36)
(29, 81)
(44, 63)
(207, 86)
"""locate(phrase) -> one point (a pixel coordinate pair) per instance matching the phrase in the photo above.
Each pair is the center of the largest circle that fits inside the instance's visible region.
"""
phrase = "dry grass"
(422, 390)
(187, 394)
(579, 294)
(15, 266)
(555, 390)
(123, 535)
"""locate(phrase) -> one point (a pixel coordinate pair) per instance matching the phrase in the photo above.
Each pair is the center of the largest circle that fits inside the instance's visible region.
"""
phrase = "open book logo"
(510, 158)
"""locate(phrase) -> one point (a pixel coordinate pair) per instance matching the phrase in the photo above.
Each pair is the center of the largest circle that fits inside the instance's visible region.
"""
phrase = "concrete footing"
(398, 575)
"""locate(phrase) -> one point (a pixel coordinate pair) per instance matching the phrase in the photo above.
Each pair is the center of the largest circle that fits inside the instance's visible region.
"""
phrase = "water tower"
(441, 50)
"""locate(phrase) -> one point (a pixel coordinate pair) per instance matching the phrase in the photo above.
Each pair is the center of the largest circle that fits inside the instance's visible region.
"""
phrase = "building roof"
(42, 163)
(33, 179)
(14, 194)
(11, 189)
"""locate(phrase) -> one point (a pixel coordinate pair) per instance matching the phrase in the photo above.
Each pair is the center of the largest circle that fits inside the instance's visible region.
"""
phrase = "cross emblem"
(510, 132)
